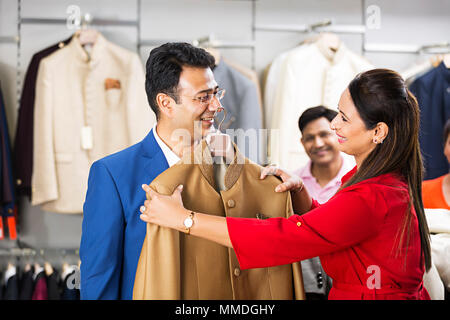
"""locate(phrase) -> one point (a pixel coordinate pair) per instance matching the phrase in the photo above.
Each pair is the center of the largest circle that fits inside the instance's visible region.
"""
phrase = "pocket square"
(112, 83)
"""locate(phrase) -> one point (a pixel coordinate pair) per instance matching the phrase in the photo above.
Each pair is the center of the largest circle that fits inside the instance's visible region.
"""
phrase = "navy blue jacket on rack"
(8, 199)
(432, 91)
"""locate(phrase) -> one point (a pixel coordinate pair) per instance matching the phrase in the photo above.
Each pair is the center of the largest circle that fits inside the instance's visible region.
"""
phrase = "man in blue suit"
(182, 92)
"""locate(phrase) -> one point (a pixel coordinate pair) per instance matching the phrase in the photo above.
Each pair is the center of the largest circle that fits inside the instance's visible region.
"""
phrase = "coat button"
(230, 203)
(237, 272)
(299, 224)
(10, 210)
(19, 182)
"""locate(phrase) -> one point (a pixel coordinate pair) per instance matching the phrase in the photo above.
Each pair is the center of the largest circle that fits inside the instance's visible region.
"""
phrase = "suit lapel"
(154, 160)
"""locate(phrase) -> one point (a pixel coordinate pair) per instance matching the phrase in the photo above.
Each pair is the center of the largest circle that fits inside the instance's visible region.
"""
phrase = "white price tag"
(87, 140)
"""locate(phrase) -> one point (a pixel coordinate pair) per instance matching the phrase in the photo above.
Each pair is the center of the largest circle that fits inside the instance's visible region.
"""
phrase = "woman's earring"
(375, 141)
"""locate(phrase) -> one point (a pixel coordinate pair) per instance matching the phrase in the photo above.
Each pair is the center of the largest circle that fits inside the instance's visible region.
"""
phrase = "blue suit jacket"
(432, 91)
(112, 233)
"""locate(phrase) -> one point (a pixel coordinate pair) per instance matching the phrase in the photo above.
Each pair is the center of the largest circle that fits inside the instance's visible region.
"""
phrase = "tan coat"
(174, 265)
(105, 93)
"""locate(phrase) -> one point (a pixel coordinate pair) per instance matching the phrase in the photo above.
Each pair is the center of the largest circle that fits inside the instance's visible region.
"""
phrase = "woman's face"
(447, 148)
(353, 136)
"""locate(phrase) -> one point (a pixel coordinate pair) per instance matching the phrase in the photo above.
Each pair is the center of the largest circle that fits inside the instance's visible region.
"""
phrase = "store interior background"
(414, 22)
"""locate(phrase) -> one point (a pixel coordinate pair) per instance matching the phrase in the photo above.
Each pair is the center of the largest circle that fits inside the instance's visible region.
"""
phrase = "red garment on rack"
(40, 287)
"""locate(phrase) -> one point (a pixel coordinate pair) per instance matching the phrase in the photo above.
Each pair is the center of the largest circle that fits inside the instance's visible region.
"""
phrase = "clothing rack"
(94, 21)
(443, 47)
(9, 39)
(322, 26)
(196, 42)
(25, 252)
(212, 41)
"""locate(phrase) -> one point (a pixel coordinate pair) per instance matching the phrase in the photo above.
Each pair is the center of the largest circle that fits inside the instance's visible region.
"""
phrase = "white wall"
(402, 21)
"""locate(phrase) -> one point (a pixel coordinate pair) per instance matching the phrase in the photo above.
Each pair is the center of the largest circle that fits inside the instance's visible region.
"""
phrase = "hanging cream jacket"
(174, 265)
(104, 93)
(309, 76)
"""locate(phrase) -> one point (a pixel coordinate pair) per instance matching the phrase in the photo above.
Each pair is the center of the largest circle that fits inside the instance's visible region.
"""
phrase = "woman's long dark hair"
(380, 95)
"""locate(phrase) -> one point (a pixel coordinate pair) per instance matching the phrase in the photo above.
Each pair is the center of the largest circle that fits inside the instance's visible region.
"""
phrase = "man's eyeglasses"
(206, 98)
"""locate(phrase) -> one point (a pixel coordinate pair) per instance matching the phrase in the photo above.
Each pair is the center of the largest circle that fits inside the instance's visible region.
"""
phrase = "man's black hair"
(164, 66)
(314, 113)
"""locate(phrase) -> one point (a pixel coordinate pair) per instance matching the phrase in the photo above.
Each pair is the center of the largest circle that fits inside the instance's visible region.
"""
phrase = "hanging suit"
(26, 285)
(8, 208)
(23, 146)
(101, 96)
(11, 284)
(52, 287)
(174, 265)
(432, 91)
(242, 104)
(69, 291)
(309, 76)
(40, 286)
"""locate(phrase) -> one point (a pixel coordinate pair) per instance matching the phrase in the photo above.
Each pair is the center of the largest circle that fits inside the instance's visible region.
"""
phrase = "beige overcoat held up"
(173, 265)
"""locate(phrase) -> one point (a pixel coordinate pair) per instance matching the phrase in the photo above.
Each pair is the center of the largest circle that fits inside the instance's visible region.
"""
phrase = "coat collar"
(201, 156)
(149, 146)
(155, 161)
(444, 71)
(96, 52)
(333, 57)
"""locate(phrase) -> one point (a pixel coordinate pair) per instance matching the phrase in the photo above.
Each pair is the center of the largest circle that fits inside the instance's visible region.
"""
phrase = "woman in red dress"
(372, 236)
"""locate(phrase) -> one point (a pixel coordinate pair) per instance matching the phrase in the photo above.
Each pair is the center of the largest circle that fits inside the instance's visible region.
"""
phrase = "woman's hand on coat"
(291, 182)
(165, 211)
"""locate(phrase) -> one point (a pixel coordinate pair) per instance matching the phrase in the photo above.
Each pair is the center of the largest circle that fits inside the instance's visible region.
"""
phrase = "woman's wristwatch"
(188, 222)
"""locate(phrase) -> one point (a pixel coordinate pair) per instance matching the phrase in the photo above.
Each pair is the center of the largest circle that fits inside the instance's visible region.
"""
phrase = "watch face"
(188, 222)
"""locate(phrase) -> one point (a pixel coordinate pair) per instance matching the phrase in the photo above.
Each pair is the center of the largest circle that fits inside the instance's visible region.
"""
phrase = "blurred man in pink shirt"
(322, 178)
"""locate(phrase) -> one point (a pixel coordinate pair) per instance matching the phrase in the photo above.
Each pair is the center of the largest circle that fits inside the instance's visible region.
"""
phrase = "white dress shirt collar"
(171, 157)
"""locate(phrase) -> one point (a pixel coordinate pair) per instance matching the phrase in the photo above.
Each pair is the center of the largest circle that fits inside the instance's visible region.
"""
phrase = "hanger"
(10, 271)
(219, 143)
(48, 269)
(87, 35)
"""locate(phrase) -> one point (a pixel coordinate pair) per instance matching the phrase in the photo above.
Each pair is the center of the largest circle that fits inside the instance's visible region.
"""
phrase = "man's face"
(191, 114)
(320, 142)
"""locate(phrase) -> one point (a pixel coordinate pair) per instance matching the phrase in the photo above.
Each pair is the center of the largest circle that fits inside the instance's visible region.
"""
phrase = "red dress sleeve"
(350, 217)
